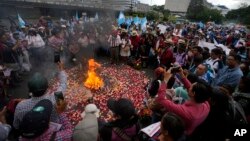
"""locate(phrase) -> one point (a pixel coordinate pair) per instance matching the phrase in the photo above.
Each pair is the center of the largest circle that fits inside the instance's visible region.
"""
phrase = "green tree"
(194, 8)
(151, 15)
(241, 15)
(162, 11)
(198, 12)
(243, 5)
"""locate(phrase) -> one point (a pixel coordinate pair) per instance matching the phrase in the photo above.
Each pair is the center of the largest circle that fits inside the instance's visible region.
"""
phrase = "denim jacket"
(228, 76)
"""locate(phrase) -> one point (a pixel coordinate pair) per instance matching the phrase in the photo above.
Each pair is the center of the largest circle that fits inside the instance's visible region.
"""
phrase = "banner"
(212, 46)
(162, 28)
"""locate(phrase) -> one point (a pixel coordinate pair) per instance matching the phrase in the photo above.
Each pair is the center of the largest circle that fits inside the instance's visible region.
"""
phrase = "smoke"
(97, 31)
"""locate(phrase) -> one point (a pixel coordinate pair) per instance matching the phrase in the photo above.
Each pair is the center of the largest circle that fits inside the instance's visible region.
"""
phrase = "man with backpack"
(214, 62)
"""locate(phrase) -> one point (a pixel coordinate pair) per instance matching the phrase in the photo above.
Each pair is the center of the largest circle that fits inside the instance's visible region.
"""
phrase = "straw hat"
(134, 33)
(41, 27)
(180, 41)
(124, 31)
(169, 41)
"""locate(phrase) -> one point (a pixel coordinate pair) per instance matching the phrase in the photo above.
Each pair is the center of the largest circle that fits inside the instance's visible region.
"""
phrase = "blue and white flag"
(77, 17)
(201, 25)
(137, 20)
(121, 19)
(96, 17)
(121, 16)
(20, 21)
(128, 21)
(144, 24)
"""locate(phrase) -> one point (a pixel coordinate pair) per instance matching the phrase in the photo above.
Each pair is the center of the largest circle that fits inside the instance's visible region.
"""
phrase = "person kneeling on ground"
(87, 128)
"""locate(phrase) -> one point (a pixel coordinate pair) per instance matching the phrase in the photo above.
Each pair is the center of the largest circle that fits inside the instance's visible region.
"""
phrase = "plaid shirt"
(64, 134)
(26, 105)
(114, 41)
(56, 43)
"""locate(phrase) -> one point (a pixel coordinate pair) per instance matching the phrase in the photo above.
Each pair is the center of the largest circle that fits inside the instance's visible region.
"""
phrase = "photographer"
(36, 123)
(38, 86)
(194, 111)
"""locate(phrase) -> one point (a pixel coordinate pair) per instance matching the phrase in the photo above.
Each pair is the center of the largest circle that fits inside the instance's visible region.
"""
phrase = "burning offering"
(114, 81)
(93, 82)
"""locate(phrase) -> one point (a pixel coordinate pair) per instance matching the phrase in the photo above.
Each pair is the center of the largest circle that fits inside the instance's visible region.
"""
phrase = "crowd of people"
(198, 93)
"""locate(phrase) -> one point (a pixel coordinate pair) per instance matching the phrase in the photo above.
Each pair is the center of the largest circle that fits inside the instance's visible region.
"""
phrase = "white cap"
(220, 45)
(41, 27)
(63, 26)
(91, 108)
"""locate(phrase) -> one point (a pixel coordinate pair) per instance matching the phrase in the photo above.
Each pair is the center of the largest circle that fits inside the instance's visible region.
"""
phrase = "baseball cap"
(122, 107)
(36, 121)
(37, 83)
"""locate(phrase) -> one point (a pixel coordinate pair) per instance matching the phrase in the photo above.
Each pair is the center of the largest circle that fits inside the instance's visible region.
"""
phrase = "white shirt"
(213, 64)
(114, 41)
(124, 52)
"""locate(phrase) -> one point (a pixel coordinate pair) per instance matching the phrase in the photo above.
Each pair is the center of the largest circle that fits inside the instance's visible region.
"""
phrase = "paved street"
(48, 68)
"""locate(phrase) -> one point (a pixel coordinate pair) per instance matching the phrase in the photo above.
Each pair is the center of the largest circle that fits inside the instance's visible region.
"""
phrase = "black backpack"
(244, 100)
(124, 136)
(220, 64)
(236, 115)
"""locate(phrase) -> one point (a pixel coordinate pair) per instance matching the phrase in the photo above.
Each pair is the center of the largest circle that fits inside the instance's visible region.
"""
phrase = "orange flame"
(93, 81)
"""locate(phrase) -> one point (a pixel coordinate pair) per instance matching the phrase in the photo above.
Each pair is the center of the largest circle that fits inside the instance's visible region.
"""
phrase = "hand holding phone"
(57, 57)
(60, 102)
(58, 96)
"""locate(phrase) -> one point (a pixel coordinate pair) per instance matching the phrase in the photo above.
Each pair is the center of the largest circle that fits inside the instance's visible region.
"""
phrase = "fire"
(93, 81)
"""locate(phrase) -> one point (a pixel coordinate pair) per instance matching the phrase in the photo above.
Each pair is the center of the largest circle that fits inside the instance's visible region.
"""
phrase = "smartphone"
(175, 70)
(58, 96)
(56, 57)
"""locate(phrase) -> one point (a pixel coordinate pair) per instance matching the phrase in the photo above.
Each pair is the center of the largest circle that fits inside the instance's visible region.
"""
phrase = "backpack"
(244, 100)
(236, 116)
(124, 136)
(220, 64)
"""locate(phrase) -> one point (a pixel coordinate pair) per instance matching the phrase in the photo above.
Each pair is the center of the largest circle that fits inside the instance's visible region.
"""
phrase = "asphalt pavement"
(48, 68)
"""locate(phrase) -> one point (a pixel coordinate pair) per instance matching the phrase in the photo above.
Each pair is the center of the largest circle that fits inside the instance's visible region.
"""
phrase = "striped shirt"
(114, 41)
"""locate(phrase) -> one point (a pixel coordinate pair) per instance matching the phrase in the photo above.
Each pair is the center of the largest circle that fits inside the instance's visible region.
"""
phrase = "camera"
(175, 69)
